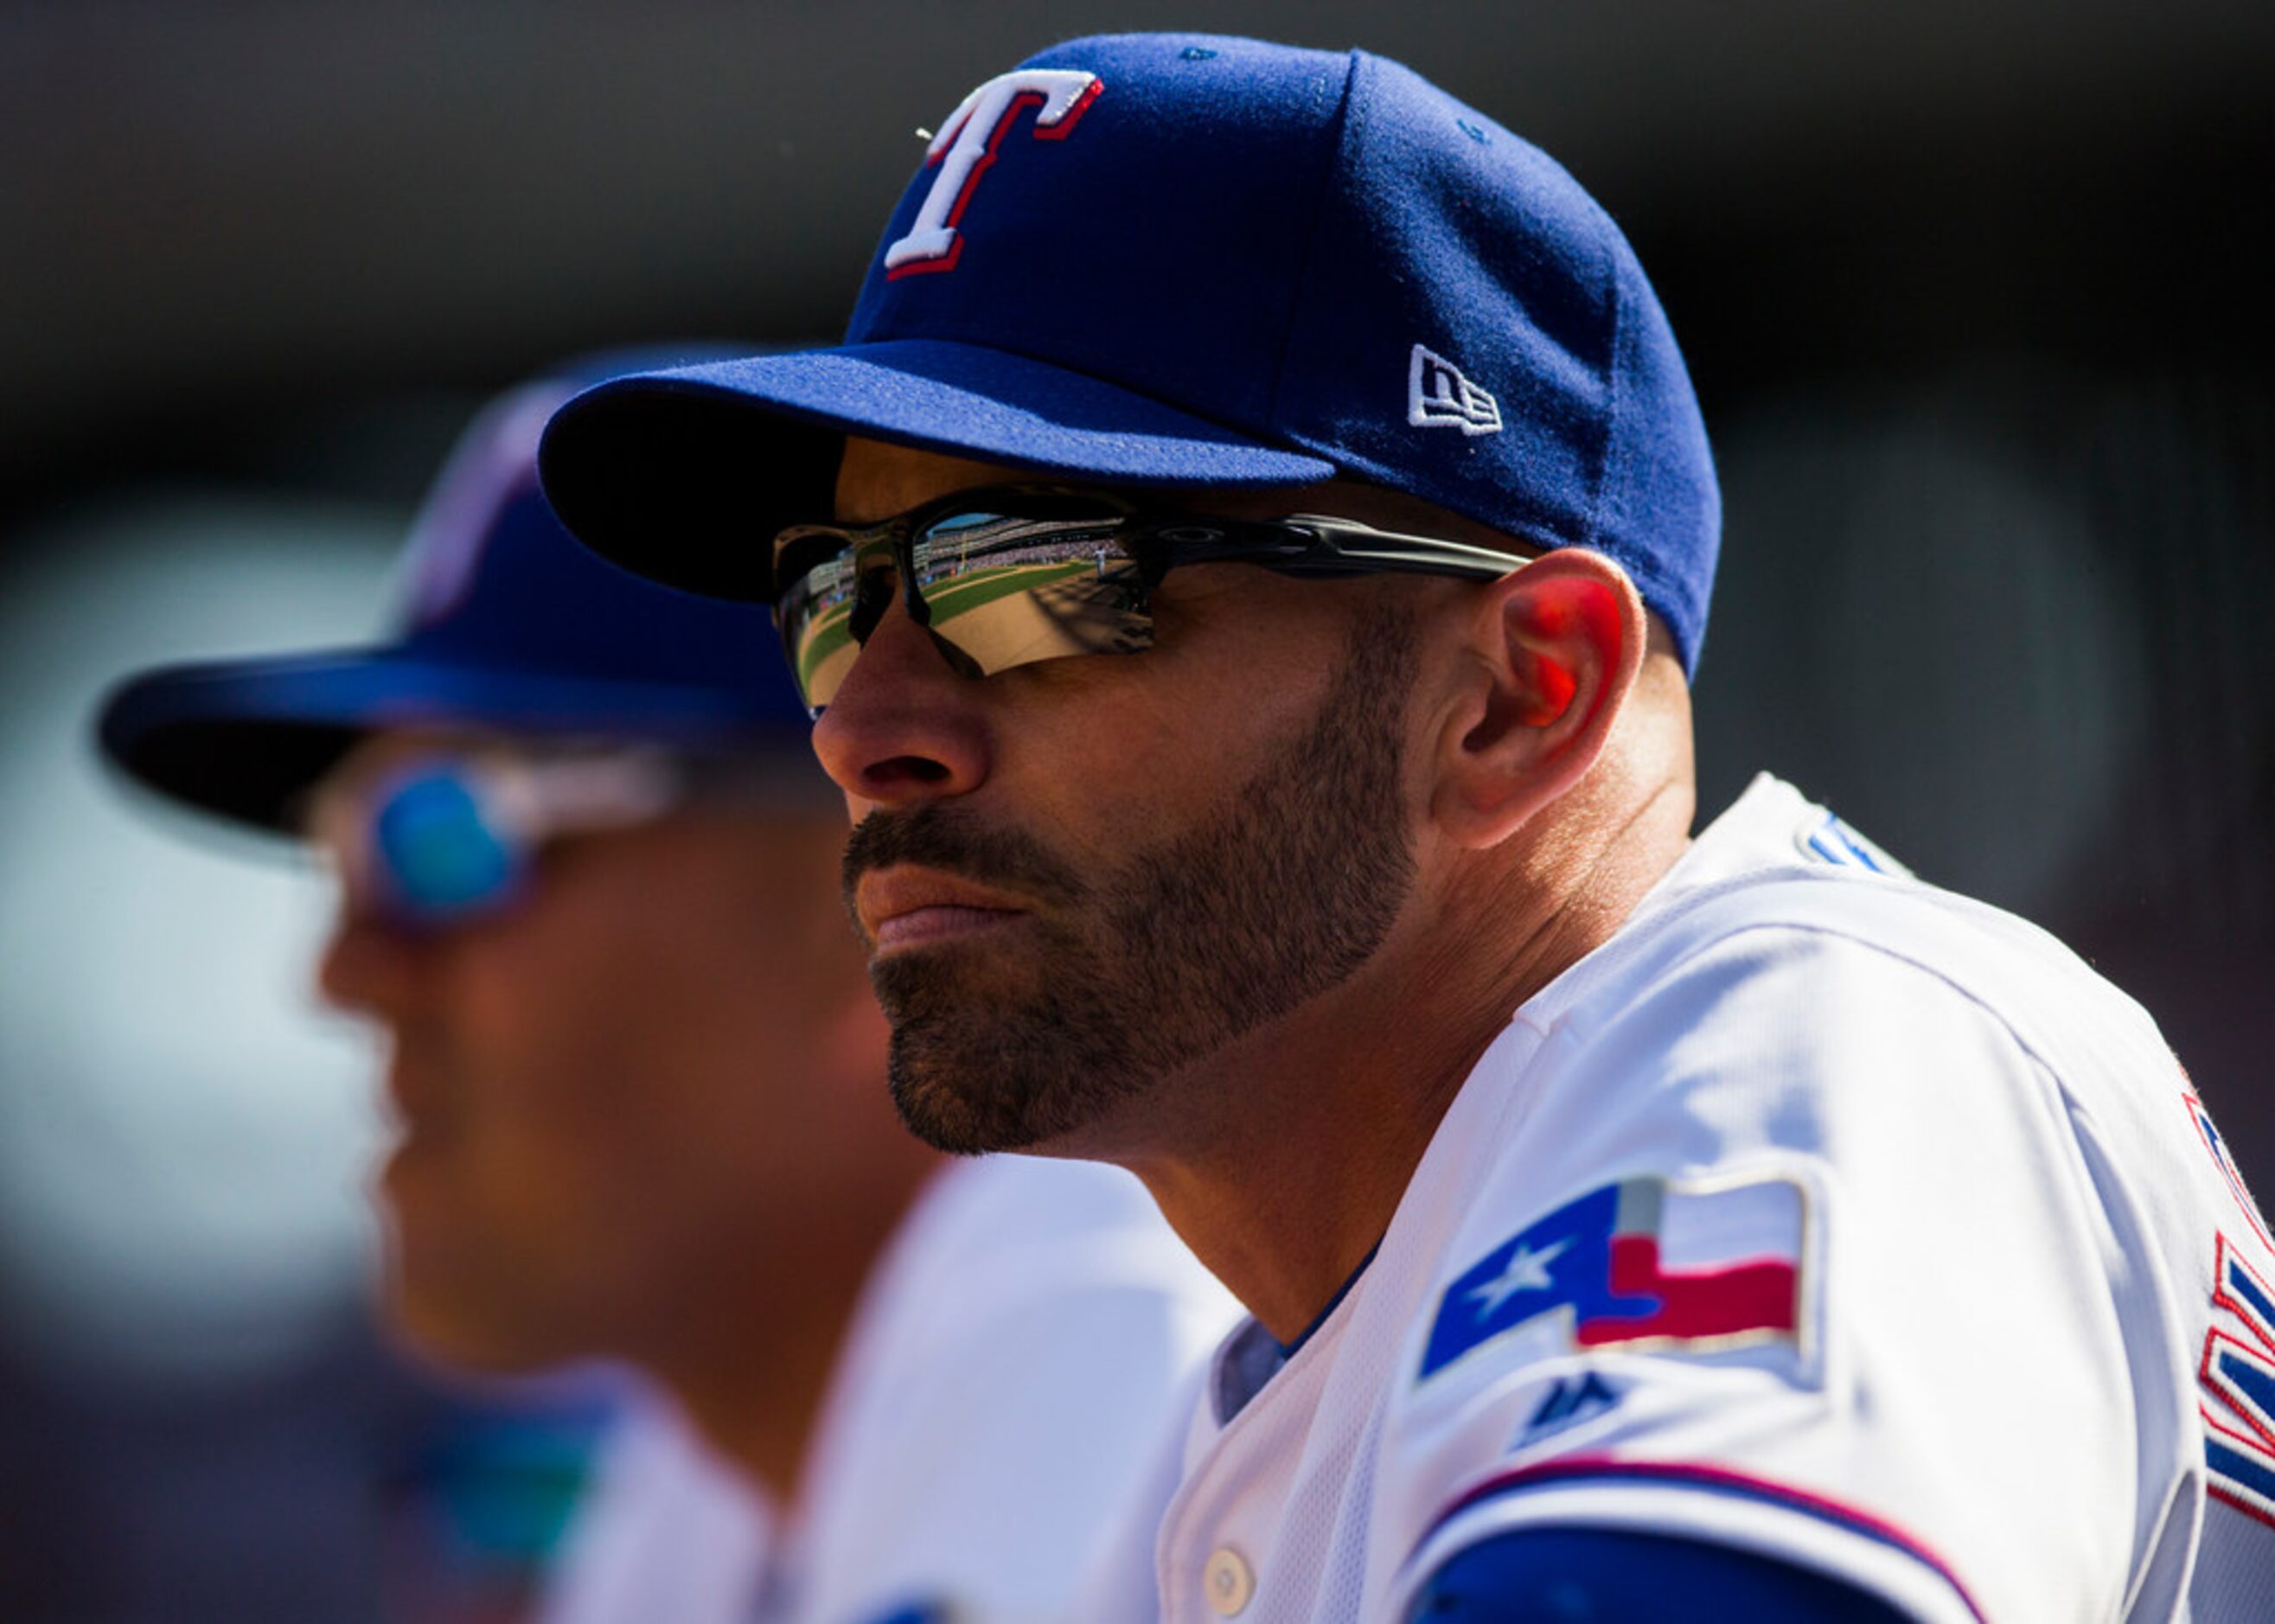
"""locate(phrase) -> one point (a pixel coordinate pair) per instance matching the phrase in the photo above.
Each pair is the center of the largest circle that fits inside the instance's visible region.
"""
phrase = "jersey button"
(1228, 1580)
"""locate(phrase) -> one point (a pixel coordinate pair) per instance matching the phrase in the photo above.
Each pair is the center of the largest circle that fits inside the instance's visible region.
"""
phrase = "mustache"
(950, 839)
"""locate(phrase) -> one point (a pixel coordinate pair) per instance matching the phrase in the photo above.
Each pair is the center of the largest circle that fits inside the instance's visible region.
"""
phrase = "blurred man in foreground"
(569, 813)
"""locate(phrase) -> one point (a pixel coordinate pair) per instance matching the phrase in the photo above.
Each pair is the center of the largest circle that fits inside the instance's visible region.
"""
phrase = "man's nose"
(904, 727)
(369, 968)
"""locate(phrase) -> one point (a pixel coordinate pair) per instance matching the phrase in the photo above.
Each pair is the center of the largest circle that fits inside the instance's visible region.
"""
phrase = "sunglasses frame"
(1315, 545)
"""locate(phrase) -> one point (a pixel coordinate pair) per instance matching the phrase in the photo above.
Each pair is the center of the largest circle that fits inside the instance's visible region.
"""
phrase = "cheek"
(1129, 749)
(525, 1005)
(644, 1033)
(545, 1041)
(635, 1037)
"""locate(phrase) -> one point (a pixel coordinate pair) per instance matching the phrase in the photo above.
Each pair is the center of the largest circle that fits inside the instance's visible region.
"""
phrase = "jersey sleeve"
(1619, 1576)
(1788, 1250)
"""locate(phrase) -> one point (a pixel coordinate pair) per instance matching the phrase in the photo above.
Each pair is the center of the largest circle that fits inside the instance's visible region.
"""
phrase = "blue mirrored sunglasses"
(443, 839)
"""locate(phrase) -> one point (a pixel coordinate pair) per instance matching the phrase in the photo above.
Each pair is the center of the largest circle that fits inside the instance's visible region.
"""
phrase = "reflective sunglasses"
(443, 839)
(1012, 574)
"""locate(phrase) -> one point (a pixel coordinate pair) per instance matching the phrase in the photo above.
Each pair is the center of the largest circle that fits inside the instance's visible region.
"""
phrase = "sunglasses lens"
(1009, 592)
(828, 612)
(436, 854)
(999, 590)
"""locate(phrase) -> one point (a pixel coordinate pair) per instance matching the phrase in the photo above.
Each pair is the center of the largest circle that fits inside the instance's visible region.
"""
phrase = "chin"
(973, 1088)
(439, 1329)
(961, 1121)
(452, 1302)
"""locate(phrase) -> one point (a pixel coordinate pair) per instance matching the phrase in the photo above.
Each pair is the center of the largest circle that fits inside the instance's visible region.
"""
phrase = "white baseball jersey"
(665, 1530)
(1819, 1213)
(1031, 1332)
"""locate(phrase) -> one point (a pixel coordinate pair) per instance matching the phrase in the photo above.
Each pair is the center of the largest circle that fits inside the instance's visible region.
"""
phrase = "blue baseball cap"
(504, 622)
(1187, 261)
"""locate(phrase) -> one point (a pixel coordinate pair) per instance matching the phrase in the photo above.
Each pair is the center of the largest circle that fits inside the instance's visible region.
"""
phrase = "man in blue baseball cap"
(1248, 561)
(568, 811)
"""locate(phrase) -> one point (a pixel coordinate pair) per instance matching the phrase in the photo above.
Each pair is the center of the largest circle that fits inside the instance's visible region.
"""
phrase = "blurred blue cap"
(1191, 261)
(503, 623)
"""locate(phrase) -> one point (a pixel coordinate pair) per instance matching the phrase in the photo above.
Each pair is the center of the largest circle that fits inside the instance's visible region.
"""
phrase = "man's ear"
(1555, 650)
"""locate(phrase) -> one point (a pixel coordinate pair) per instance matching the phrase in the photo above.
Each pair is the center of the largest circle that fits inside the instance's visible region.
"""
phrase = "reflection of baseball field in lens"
(822, 664)
(1078, 612)
(1002, 616)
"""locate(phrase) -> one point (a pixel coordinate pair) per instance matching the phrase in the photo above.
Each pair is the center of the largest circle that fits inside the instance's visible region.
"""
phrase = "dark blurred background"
(1976, 294)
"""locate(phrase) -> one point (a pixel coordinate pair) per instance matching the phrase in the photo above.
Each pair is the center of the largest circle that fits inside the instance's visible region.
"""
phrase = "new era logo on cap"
(1438, 397)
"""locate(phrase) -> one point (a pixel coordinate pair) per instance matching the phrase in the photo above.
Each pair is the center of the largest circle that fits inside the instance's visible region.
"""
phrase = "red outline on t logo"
(965, 149)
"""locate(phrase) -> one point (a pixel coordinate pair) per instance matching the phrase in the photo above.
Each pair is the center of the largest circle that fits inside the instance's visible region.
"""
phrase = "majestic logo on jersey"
(965, 149)
(1642, 1263)
(1573, 1399)
(1438, 397)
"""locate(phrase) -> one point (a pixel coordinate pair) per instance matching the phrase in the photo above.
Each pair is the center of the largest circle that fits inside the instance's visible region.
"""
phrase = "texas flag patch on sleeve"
(1645, 1264)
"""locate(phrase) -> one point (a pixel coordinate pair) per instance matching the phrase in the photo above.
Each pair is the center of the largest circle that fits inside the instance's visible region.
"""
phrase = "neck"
(1286, 1154)
(753, 1370)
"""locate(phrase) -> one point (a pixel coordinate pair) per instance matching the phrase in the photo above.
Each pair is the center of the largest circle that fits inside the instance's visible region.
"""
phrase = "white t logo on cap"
(967, 142)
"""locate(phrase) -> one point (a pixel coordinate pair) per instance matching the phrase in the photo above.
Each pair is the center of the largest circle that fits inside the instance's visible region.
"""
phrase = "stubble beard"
(1182, 947)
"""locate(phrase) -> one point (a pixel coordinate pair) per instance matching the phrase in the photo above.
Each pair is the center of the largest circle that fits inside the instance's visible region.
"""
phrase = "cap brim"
(685, 475)
(245, 740)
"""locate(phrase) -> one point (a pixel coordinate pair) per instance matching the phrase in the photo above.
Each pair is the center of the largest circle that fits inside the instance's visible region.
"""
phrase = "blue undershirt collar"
(1253, 1358)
